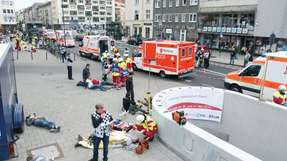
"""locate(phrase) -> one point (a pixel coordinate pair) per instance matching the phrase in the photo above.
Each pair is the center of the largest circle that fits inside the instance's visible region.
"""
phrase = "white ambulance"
(68, 37)
(262, 77)
(94, 46)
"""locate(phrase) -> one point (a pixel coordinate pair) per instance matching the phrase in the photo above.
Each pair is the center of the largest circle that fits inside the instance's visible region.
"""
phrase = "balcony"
(211, 6)
(227, 30)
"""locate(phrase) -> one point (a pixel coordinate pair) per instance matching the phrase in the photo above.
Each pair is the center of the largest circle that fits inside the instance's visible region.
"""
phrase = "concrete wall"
(271, 17)
(194, 144)
(256, 127)
(227, 5)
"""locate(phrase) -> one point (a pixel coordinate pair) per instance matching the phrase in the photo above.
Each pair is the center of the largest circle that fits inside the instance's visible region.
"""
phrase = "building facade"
(175, 19)
(45, 14)
(224, 23)
(84, 12)
(138, 21)
(7, 15)
(119, 10)
(31, 15)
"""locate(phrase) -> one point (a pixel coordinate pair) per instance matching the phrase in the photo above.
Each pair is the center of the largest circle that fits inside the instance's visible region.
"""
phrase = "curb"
(226, 63)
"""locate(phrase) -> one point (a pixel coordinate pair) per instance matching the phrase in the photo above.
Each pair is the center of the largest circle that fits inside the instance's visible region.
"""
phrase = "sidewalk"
(224, 58)
(43, 88)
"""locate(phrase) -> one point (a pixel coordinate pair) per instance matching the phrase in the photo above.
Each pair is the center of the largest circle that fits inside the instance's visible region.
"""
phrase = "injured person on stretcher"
(95, 84)
(42, 122)
(125, 135)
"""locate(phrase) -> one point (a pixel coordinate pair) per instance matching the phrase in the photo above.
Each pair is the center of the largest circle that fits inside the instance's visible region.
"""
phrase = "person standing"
(101, 120)
(206, 57)
(86, 73)
(130, 87)
(63, 53)
(247, 58)
(232, 55)
(69, 62)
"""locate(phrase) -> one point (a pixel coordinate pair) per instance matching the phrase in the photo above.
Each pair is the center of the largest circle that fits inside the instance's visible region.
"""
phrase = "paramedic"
(86, 72)
(116, 74)
(123, 71)
(101, 120)
(147, 126)
(129, 62)
(279, 96)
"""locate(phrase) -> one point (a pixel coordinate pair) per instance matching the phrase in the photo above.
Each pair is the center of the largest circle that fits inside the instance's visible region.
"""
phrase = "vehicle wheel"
(235, 88)
(162, 74)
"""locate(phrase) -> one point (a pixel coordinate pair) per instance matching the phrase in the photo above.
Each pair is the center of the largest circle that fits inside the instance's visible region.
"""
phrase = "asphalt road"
(213, 77)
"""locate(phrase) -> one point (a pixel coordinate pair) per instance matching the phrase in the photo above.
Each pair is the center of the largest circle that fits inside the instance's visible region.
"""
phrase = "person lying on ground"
(96, 84)
(42, 122)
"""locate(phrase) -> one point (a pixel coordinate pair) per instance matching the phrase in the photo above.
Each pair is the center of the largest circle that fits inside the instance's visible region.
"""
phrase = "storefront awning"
(227, 9)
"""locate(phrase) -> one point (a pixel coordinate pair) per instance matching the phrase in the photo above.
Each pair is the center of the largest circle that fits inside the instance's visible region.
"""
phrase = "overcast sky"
(20, 4)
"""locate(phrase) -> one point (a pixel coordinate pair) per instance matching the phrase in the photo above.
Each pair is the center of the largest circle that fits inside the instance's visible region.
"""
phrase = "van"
(261, 78)
(94, 46)
(166, 57)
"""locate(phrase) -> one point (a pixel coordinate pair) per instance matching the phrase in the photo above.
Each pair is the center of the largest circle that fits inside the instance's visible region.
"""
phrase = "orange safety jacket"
(279, 98)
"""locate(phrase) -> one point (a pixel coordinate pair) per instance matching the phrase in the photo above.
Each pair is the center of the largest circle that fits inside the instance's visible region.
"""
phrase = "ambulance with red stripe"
(94, 46)
(166, 57)
(70, 42)
(262, 77)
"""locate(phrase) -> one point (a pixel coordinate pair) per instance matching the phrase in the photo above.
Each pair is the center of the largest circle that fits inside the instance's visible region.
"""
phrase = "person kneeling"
(147, 126)
(38, 121)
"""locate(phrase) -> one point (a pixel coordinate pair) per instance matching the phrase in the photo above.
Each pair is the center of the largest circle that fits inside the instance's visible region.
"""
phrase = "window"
(177, 3)
(169, 18)
(193, 17)
(155, 18)
(157, 3)
(147, 32)
(183, 18)
(4, 11)
(170, 3)
(164, 18)
(136, 15)
(8, 11)
(193, 2)
(176, 18)
(184, 2)
(12, 11)
(189, 51)
(136, 2)
(148, 1)
(163, 3)
(147, 14)
(183, 52)
(135, 31)
(252, 71)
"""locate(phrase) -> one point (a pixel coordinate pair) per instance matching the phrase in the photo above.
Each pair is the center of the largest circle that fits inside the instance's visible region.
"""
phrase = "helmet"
(140, 118)
(106, 51)
(126, 55)
(121, 59)
(282, 88)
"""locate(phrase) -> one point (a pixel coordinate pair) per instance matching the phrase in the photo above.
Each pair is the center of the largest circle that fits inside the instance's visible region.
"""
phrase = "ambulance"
(94, 46)
(70, 42)
(51, 35)
(261, 78)
(166, 57)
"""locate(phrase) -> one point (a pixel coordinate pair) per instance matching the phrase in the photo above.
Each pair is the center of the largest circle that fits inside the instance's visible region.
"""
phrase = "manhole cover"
(51, 151)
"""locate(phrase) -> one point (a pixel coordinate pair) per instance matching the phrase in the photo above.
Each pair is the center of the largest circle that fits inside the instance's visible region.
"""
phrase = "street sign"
(168, 31)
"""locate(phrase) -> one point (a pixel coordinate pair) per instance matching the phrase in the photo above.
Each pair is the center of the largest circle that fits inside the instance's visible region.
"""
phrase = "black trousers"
(131, 94)
(70, 73)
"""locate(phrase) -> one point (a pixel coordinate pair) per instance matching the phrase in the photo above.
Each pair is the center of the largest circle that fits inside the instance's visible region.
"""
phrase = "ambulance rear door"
(275, 75)
(149, 53)
(186, 59)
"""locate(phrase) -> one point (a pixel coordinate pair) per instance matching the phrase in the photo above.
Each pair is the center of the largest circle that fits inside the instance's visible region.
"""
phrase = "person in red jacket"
(279, 96)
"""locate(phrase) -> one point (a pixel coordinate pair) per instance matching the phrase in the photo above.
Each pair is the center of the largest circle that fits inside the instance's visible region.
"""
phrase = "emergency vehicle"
(166, 57)
(11, 112)
(94, 46)
(70, 42)
(51, 35)
(262, 77)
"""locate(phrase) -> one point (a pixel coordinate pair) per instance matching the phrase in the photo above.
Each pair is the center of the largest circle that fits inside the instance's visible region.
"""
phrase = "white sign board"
(166, 51)
(168, 31)
(199, 103)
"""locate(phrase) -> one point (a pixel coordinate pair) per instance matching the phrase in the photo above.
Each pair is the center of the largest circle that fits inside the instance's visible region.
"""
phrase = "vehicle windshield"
(252, 71)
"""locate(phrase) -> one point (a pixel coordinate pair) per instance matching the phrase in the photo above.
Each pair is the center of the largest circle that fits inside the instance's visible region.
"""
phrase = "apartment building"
(7, 15)
(119, 10)
(45, 13)
(175, 19)
(31, 15)
(139, 18)
(224, 23)
(89, 12)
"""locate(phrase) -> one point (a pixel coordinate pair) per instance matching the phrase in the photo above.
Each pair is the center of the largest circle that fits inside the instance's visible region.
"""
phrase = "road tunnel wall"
(249, 130)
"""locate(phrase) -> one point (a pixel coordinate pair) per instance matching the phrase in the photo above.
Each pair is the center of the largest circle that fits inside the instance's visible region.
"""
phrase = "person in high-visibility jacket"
(116, 74)
(129, 62)
(147, 126)
(279, 96)
(123, 71)
(34, 44)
